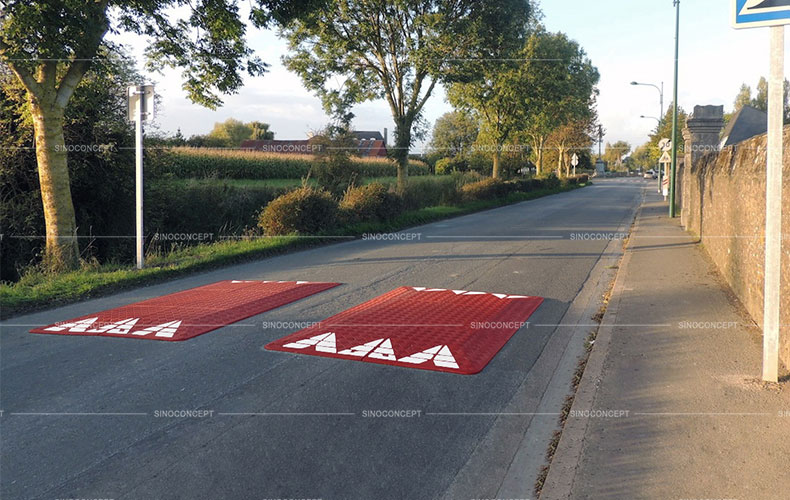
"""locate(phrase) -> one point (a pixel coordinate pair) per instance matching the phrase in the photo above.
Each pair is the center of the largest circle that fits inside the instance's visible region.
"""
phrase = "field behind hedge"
(186, 163)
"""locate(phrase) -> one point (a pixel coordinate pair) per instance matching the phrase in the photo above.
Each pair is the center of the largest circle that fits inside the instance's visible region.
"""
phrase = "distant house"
(370, 144)
(374, 135)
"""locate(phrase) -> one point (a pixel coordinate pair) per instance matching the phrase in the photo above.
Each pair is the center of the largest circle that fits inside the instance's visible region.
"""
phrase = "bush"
(551, 181)
(481, 190)
(305, 211)
(450, 165)
(484, 190)
(335, 173)
(526, 185)
(202, 207)
(371, 203)
(423, 192)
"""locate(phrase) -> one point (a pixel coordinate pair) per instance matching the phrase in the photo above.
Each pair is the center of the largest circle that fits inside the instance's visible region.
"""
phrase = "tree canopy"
(353, 51)
(50, 45)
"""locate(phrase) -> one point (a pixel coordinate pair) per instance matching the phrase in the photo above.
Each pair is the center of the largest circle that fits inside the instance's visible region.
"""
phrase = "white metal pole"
(138, 128)
(773, 208)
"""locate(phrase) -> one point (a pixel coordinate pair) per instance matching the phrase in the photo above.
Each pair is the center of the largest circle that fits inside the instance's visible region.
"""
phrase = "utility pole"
(673, 171)
(140, 105)
(600, 140)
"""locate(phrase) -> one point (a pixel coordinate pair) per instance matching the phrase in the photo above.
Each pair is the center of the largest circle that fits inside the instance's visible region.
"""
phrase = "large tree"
(574, 136)
(453, 133)
(563, 82)
(497, 88)
(231, 132)
(615, 153)
(50, 45)
(397, 50)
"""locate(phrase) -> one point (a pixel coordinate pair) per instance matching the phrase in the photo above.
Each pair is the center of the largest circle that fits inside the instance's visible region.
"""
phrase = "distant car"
(650, 174)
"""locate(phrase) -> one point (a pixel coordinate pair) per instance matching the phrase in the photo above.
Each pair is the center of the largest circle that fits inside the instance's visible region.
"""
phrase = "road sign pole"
(773, 208)
(138, 167)
(673, 171)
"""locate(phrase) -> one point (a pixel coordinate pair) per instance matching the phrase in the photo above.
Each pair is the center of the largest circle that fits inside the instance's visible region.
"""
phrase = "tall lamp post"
(660, 92)
(674, 169)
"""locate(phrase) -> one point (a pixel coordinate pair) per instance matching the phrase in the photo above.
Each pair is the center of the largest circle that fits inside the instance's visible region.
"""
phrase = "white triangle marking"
(325, 342)
(419, 288)
(421, 357)
(459, 292)
(499, 295)
(162, 330)
(362, 350)
(384, 351)
(445, 359)
(122, 326)
(76, 326)
(441, 356)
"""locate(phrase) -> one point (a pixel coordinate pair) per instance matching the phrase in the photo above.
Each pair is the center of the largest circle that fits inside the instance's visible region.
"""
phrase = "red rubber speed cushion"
(454, 331)
(187, 314)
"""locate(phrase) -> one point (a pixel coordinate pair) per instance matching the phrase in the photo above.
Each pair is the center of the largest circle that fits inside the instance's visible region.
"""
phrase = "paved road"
(57, 392)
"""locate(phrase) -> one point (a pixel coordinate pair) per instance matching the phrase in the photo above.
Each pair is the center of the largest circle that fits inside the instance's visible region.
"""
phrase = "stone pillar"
(701, 135)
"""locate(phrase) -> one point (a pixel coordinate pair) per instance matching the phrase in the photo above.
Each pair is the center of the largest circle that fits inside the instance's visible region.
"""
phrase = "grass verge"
(40, 290)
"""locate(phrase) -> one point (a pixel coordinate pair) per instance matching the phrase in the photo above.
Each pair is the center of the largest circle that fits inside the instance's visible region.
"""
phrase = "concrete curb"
(563, 467)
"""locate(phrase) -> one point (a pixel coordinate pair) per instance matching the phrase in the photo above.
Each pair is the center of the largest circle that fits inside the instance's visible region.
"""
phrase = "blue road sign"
(758, 13)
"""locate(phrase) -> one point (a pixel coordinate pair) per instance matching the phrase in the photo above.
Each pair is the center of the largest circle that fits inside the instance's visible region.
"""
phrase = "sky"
(626, 39)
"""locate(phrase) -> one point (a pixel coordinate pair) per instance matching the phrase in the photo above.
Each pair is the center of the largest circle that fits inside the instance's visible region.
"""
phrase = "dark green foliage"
(450, 165)
(334, 168)
(484, 190)
(551, 181)
(214, 208)
(304, 211)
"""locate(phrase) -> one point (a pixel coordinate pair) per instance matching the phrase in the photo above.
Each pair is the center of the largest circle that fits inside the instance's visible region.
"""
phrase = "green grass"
(39, 290)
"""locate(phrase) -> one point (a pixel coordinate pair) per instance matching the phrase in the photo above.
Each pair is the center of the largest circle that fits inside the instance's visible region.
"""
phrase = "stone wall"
(723, 204)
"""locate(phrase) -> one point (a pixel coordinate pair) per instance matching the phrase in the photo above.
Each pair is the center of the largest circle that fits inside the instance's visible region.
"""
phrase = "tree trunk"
(559, 162)
(539, 163)
(62, 250)
(402, 145)
(496, 170)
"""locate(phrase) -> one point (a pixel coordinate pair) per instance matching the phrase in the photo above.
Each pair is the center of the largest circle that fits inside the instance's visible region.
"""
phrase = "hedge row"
(178, 213)
(186, 163)
(311, 211)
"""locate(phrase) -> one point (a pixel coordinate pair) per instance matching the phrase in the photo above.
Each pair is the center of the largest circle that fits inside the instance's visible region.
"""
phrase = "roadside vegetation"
(374, 208)
(524, 99)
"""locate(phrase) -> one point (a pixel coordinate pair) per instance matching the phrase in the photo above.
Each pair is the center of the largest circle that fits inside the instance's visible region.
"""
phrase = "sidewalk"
(671, 405)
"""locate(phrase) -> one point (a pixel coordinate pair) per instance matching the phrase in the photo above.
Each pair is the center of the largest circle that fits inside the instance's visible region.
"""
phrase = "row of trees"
(539, 90)
(493, 57)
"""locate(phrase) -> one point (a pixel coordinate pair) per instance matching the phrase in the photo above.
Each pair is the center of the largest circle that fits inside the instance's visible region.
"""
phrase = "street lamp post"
(660, 92)
(674, 170)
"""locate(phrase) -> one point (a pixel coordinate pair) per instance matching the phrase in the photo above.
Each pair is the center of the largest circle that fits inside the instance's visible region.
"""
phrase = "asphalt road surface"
(83, 416)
